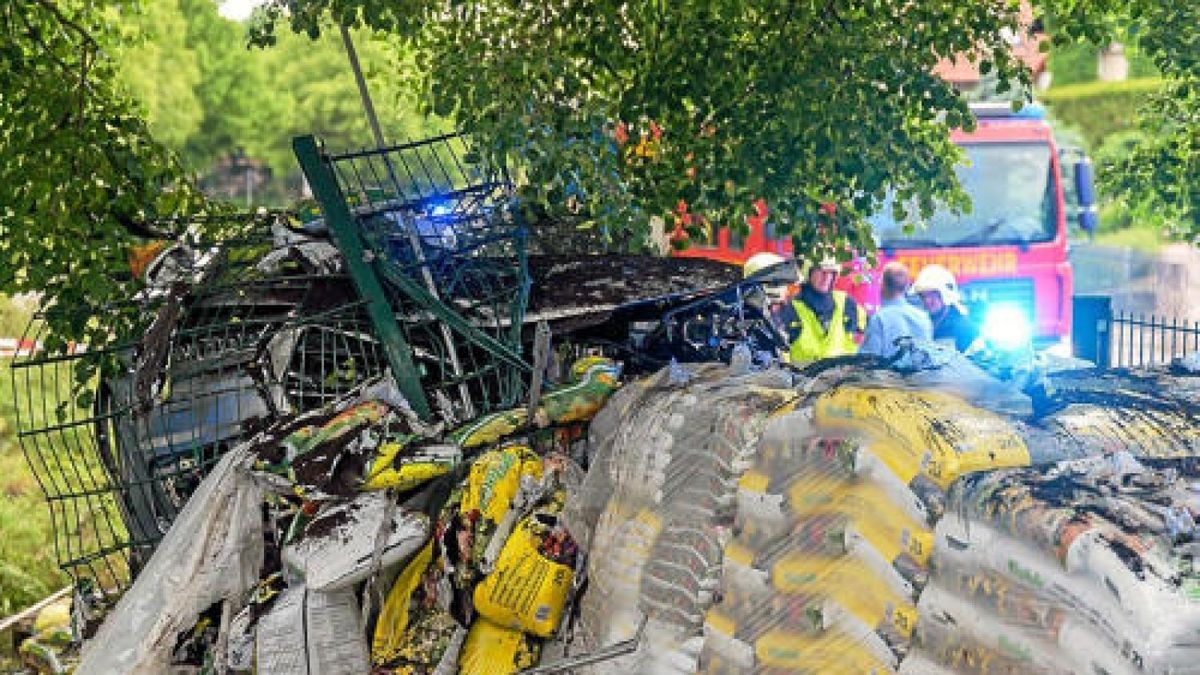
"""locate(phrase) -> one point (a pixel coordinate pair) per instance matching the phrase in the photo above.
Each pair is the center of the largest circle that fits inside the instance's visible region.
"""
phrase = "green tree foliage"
(160, 69)
(1162, 172)
(81, 177)
(622, 111)
(313, 78)
(1078, 63)
(1073, 64)
(235, 93)
(250, 102)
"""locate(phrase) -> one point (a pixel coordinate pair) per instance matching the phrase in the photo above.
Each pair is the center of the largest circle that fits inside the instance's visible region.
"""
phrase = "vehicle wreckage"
(418, 436)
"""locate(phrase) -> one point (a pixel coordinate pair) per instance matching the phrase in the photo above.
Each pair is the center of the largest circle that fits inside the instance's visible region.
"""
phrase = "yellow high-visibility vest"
(815, 341)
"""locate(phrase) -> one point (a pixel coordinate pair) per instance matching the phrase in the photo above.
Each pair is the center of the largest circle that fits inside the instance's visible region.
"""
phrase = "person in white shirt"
(896, 318)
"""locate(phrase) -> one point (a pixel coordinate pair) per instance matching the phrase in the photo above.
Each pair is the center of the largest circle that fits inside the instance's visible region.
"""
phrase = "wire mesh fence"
(445, 244)
(1145, 340)
(120, 433)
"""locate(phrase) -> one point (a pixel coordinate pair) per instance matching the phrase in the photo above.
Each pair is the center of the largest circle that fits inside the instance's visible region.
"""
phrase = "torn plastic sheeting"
(318, 256)
(936, 366)
(338, 546)
(309, 632)
(213, 552)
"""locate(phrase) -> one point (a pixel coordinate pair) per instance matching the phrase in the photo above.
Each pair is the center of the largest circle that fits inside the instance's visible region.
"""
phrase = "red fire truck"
(1010, 252)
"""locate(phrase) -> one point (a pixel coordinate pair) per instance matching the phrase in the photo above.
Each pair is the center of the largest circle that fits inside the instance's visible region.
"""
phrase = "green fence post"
(346, 236)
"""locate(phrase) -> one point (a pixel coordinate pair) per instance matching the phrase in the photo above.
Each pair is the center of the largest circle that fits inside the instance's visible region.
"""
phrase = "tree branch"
(63, 19)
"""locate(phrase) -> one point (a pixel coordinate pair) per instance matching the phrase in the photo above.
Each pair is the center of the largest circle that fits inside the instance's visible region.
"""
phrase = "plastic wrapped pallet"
(827, 546)
(666, 479)
(961, 633)
(1093, 558)
(834, 526)
(831, 501)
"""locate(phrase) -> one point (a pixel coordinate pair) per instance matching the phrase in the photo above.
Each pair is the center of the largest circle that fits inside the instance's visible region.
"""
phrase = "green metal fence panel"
(237, 345)
(441, 239)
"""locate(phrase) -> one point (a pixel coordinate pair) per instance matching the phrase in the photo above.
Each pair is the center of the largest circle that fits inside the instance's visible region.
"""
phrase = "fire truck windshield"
(1013, 197)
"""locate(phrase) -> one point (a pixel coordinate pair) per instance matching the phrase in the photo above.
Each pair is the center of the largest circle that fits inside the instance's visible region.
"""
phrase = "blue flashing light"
(1007, 327)
(439, 206)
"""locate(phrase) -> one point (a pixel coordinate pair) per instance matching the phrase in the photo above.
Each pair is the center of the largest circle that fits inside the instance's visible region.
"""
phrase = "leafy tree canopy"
(622, 111)
(613, 112)
(1161, 174)
(81, 177)
(694, 110)
(161, 70)
(106, 109)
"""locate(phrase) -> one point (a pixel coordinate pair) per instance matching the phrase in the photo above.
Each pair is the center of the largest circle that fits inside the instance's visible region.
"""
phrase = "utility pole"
(413, 239)
(372, 119)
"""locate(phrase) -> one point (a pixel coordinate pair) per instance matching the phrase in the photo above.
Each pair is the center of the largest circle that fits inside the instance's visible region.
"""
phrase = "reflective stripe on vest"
(814, 342)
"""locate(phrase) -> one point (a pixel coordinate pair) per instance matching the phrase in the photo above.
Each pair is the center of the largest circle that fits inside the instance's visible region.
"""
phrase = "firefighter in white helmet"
(821, 322)
(779, 283)
(939, 293)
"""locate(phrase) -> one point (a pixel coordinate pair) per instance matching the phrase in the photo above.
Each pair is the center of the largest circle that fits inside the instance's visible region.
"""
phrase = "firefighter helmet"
(935, 278)
(761, 261)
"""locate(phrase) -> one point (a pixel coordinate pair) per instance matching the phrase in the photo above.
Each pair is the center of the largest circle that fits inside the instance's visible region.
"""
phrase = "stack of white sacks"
(873, 528)
(668, 453)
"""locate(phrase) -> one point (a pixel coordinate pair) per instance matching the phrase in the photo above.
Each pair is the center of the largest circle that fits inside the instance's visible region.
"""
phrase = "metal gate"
(1120, 339)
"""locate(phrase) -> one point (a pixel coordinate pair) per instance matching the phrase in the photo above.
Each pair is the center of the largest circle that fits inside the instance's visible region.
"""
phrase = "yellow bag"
(526, 590)
(495, 478)
(489, 428)
(851, 584)
(494, 650)
(388, 470)
(880, 522)
(393, 618)
(832, 652)
(788, 648)
(947, 436)
(856, 507)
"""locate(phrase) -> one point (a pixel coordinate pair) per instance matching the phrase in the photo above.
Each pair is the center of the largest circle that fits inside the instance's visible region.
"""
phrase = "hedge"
(1099, 109)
